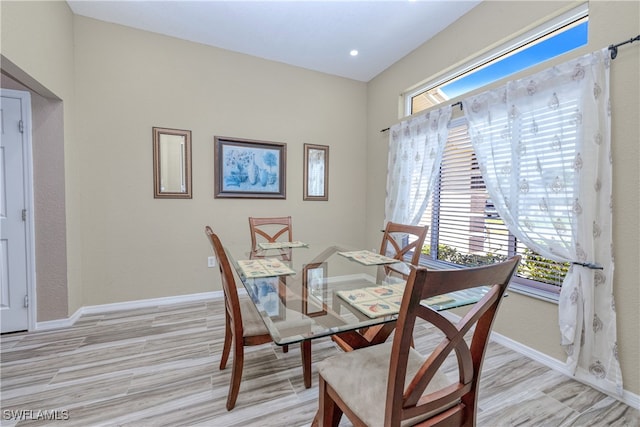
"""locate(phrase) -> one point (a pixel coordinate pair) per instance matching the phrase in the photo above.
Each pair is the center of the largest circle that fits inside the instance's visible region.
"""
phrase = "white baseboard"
(127, 305)
(628, 398)
(631, 399)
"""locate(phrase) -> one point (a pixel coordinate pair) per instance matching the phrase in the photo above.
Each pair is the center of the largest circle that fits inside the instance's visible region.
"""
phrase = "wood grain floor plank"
(158, 366)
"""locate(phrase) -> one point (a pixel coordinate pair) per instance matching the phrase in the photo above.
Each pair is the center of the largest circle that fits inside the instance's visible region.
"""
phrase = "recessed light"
(354, 52)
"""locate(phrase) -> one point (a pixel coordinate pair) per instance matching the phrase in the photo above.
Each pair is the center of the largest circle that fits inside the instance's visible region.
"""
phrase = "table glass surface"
(327, 292)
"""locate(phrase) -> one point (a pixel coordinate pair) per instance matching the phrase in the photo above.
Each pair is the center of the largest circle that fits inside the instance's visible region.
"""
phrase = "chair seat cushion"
(252, 322)
(360, 379)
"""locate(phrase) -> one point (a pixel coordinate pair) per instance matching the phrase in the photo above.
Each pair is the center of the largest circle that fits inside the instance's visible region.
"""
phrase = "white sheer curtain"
(415, 153)
(544, 148)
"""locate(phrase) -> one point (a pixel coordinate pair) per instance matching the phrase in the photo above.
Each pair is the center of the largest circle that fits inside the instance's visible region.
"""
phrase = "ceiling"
(316, 35)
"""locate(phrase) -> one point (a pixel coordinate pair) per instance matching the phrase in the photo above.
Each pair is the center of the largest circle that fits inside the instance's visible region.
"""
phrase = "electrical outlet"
(211, 261)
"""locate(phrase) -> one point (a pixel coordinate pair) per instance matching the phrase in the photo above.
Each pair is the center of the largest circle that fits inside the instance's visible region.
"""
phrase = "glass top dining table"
(313, 291)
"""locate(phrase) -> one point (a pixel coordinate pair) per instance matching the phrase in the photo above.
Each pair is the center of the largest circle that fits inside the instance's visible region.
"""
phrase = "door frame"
(27, 161)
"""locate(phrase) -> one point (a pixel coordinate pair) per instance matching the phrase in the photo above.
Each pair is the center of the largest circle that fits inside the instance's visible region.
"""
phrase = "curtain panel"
(415, 153)
(543, 145)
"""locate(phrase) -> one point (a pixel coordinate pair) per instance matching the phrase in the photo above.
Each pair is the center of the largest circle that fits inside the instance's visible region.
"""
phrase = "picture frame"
(249, 169)
(316, 172)
(314, 289)
(171, 163)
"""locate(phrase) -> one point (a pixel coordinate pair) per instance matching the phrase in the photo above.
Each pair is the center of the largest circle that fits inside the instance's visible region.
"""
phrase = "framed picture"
(316, 172)
(249, 169)
(314, 289)
(171, 163)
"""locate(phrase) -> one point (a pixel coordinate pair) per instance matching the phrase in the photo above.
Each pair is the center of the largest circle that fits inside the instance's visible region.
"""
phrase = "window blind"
(465, 227)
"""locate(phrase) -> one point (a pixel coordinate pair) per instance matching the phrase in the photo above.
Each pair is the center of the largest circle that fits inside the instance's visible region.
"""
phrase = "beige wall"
(532, 322)
(124, 245)
(37, 52)
(137, 247)
(50, 222)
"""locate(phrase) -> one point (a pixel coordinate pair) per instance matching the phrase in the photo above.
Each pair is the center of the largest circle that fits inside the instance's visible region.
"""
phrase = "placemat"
(385, 300)
(282, 245)
(368, 258)
(265, 267)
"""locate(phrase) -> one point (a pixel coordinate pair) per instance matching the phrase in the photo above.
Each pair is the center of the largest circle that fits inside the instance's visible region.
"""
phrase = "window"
(465, 228)
(464, 225)
(565, 33)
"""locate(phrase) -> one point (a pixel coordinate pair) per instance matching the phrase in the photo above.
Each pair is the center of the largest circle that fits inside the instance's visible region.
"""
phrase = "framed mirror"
(171, 163)
(316, 172)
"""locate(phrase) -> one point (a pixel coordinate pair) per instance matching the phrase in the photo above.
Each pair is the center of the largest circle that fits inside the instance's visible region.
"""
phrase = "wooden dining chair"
(243, 324)
(400, 239)
(270, 229)
(393, 384)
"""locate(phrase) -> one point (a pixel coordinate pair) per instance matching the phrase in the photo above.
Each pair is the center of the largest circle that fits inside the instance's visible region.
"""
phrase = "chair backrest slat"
(399, 250)
(271, 229)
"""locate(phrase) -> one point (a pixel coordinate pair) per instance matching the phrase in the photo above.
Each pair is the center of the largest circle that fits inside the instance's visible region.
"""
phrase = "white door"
(15, 188)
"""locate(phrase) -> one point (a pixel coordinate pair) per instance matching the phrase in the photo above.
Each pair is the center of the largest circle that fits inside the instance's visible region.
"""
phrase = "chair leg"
(226, 348)
(305, 350)
(329, 413)
(285, 349)
(316, 420)
(236, 373)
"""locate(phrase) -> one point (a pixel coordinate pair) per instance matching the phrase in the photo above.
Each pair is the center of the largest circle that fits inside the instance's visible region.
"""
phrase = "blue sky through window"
(547, 49)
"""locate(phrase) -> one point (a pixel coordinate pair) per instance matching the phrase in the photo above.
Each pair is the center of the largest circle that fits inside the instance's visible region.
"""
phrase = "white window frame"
(537, 34)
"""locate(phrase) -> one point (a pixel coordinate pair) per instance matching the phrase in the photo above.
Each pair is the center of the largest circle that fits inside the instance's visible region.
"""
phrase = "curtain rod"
(456, 104)
(614, 47)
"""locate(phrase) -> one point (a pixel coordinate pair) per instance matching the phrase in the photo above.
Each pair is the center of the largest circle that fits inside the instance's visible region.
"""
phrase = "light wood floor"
(159, 367)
